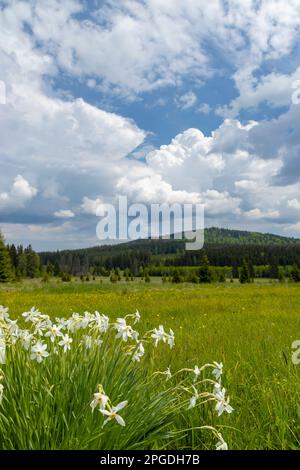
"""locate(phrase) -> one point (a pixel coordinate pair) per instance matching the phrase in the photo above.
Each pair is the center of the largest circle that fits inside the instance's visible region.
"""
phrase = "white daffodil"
(113, 413)
(197, 372)
(87, 341)
(1, 393)
(159, 335)
(100, 399)
(101, 322)
(66, 342)
(4, 315)
(124, 331)
(139, 352)
(171, 339)
(32, 316)
(221, 444)
(26, 338)
(13, 326)
(217, 372)
(222, 403)
(2, 347)
(168, 373)
(54, 332)
(194, 398)
(137, 317)
(38, 351)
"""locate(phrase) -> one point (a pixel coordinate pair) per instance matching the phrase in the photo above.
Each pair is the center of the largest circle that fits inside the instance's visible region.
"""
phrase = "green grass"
(249, 328)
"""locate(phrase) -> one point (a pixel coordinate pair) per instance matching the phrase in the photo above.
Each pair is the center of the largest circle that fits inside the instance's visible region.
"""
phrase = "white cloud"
(204, 108)
(91, 206)
(20, 193)
(294, 204)
(64, 214)
(186, 101)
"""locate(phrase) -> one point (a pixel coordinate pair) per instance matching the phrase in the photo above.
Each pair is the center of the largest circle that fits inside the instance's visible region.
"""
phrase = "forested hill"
(224, 247)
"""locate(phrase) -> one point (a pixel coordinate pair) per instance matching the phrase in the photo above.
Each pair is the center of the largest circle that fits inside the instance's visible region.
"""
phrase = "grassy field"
(248, 328)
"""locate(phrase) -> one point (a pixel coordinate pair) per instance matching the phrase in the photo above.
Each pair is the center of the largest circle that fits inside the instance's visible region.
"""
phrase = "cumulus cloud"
(64, 214)
(20, 193)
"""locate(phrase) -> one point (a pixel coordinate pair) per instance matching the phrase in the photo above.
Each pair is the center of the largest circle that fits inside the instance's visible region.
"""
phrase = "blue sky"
(159, 100)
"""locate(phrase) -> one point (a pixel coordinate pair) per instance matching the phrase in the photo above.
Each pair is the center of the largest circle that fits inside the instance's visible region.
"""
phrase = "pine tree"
(204, 273)
(245, 273)
(5, 262)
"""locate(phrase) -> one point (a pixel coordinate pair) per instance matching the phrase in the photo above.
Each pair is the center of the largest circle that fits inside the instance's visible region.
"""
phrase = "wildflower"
(31, 316)
(4, 315)
(222, 403)
(101, 322)
(87, 342)
(2, 348)
(194, 398)
(66, 342)
(1, 393)
(217, 372)
(38, 351)
(159, 335)
(137, 317)
(125, 331)
(139, 352)
(26, 337)
(100, 399)
(171, 339)
(196, 372)
(54, 332)
(113, 413)
(168, 373)
(221, 444)
(98, 342)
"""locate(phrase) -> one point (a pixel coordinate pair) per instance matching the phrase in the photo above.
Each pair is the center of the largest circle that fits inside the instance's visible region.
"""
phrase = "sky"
(162, 101)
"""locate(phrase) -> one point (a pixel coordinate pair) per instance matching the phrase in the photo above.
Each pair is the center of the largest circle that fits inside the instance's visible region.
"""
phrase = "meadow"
(248, 328)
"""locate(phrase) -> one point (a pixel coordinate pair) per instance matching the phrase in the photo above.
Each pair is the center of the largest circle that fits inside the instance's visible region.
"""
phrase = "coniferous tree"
(205, 274)
(5, 262)
(245, 273)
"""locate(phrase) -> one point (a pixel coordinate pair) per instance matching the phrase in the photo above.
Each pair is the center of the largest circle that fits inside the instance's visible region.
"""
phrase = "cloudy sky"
(159, 100)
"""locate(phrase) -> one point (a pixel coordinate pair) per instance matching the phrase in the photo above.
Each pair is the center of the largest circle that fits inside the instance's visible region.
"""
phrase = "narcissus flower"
(113, 413)
(100, 399)
(217, 372)
(66, 342)
(222, 403)
(38, 352)
(221, 444)
(54, 332)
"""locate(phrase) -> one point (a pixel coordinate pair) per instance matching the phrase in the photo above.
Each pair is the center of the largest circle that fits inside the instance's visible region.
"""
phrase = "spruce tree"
(5, 262)
(245, 273)
(205, 274)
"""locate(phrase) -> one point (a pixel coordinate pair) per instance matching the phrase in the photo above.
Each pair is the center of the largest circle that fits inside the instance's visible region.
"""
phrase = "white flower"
(54, 332)
(197, 372)
(13, 326)
(66, 342)
(194, 398)
(139, 352)
(222, 403)
(101, 322)
(124, 331)
(1, 393)
(137, 317)
(168, 373)
(171, 339)
(100, 399)
(38, 351)
(221, 444)
(26, 337)
(159, 334)
(32, 316)
(113, 413)
(87, 341)
(4, 315)
(2, 348)
(218, 370)
(98, 341)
